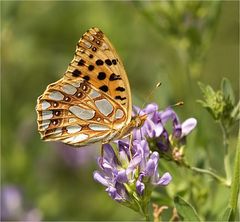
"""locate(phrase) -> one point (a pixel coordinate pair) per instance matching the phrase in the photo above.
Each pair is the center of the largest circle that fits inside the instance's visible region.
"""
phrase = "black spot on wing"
(81, 62)
(104, 88)
(76, 73)
(90, 67)
(114, 62)
(108, 62)
(87, 78)
(114, 77)
(120, 98)
(120, 89)
(101, 75)
(99, 62)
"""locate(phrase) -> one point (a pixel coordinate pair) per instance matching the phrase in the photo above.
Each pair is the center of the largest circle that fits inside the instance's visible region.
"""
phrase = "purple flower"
(130, 173)
(152, 126)
(11, 203)
(12, 206)
(179, 130)
(155, 129)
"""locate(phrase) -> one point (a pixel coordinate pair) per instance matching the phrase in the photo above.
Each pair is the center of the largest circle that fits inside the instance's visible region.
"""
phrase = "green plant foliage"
(221, 104)
(227, 214)
(185, 210)
(177, 43)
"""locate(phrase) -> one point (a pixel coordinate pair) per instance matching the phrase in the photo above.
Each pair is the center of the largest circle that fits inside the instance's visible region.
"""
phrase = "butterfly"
(92, 102)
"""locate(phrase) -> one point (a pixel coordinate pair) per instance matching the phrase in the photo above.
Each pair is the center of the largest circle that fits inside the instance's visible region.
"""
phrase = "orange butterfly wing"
(92, 102)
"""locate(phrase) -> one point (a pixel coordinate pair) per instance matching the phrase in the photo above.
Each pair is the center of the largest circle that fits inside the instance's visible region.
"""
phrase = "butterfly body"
(92, 102)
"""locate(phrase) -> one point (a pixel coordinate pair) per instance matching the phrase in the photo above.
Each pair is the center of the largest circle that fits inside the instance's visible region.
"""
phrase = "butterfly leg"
(130, 144)
(102, 153)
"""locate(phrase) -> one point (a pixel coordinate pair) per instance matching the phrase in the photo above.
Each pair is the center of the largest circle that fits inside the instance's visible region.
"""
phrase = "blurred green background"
(177, 43)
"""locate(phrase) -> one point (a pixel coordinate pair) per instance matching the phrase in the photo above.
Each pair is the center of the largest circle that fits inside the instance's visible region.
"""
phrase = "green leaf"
(213, 101)
(227, 214)
(227, 91)
(185, 210)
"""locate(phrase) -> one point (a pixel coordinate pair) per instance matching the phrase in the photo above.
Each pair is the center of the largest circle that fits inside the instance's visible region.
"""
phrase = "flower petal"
(164, 180)
(135, 161)
(158, 129)
(188, 125)
(108, 154)
(100, 178)
(166, 115)
(112, 191)
(150, 168)
(163, 142)
(140, 187)
(122, 177)
(177, 130)
(124, 147)
(151, 108)
(155, 157)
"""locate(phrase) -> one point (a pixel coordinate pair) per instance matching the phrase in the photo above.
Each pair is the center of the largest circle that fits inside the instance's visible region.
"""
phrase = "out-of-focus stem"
(212, 174)
(226, 153)
(235, 183)
(208, 172)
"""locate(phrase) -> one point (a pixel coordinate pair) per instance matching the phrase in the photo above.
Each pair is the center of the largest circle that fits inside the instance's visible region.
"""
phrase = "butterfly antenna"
(180, 103)
(150, 95)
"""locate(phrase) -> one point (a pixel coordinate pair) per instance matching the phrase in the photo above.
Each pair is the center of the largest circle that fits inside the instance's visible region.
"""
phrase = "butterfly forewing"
(92, 101)
(96, 60)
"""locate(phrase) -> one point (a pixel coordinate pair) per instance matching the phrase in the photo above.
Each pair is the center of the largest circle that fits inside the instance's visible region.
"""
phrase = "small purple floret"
(154, 126)
(133, 167)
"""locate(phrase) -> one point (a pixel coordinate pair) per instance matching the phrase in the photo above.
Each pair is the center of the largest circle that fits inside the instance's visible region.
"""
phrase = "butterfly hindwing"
(77, 113)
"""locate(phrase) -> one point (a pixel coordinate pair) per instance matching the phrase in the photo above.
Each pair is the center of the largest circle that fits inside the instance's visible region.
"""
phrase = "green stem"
(208, 172)
(212, 174)
(147, 218)
(226, 153)
(235, 183)
(145, 210)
